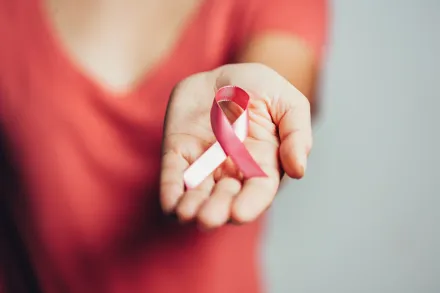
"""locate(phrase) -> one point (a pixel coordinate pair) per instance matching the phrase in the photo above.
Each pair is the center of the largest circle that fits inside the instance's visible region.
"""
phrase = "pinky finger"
(171, 180)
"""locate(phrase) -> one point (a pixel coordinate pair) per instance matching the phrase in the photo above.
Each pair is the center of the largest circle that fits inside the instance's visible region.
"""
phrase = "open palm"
(279, 140)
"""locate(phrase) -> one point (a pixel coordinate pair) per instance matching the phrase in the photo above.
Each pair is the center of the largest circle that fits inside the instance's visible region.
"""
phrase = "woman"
(84, 87)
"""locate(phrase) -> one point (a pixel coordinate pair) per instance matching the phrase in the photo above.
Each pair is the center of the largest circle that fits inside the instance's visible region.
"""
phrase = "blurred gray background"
(366, 218)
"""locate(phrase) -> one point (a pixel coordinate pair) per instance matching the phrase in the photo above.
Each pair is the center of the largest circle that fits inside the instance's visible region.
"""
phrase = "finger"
(171, 180)
(255, 197)
(217, 209)
(289, 109)
(193, 199)
(295, 131)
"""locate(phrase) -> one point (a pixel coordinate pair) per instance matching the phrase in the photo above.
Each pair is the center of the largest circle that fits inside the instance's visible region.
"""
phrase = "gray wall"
(367, 216)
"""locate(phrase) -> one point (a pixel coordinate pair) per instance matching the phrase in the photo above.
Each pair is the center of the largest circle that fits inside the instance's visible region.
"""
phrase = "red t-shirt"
(88, 162)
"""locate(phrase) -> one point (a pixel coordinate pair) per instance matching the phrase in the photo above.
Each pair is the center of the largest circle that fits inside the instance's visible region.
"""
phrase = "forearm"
(290, 57)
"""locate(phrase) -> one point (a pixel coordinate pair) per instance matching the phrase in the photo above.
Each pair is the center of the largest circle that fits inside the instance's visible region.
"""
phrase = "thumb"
(288, 107)
(291, 113)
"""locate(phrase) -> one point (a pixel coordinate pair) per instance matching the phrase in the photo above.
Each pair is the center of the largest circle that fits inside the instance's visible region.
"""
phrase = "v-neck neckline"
(59, 50)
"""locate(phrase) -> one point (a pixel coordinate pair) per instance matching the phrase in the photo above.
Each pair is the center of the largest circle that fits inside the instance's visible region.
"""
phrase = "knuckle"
(169, 158)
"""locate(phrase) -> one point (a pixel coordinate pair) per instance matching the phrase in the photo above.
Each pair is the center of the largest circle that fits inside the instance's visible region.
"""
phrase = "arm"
(287, 55)
(288, 36)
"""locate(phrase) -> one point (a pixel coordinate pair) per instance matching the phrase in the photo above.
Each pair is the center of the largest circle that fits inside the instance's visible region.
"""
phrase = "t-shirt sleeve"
(306, 19)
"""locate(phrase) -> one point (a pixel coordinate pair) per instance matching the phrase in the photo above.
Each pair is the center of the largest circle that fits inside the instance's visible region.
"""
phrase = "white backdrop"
(367, 216)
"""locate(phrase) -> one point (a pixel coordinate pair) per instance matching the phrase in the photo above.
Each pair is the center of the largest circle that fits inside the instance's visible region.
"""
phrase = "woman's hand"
(279, 140)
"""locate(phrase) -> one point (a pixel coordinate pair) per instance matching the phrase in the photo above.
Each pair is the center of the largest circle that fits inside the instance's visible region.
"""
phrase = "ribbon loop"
(229, 140)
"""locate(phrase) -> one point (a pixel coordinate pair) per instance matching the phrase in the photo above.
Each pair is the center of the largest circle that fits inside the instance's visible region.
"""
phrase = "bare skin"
(136, 36)
(280, 131)
(118, 42)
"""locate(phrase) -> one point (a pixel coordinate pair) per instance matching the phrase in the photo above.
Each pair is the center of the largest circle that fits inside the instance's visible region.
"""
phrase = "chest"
(116, 43)
(84, 94)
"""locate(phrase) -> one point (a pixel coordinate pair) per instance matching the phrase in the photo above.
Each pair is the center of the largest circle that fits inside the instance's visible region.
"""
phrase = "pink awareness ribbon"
(229, 141)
